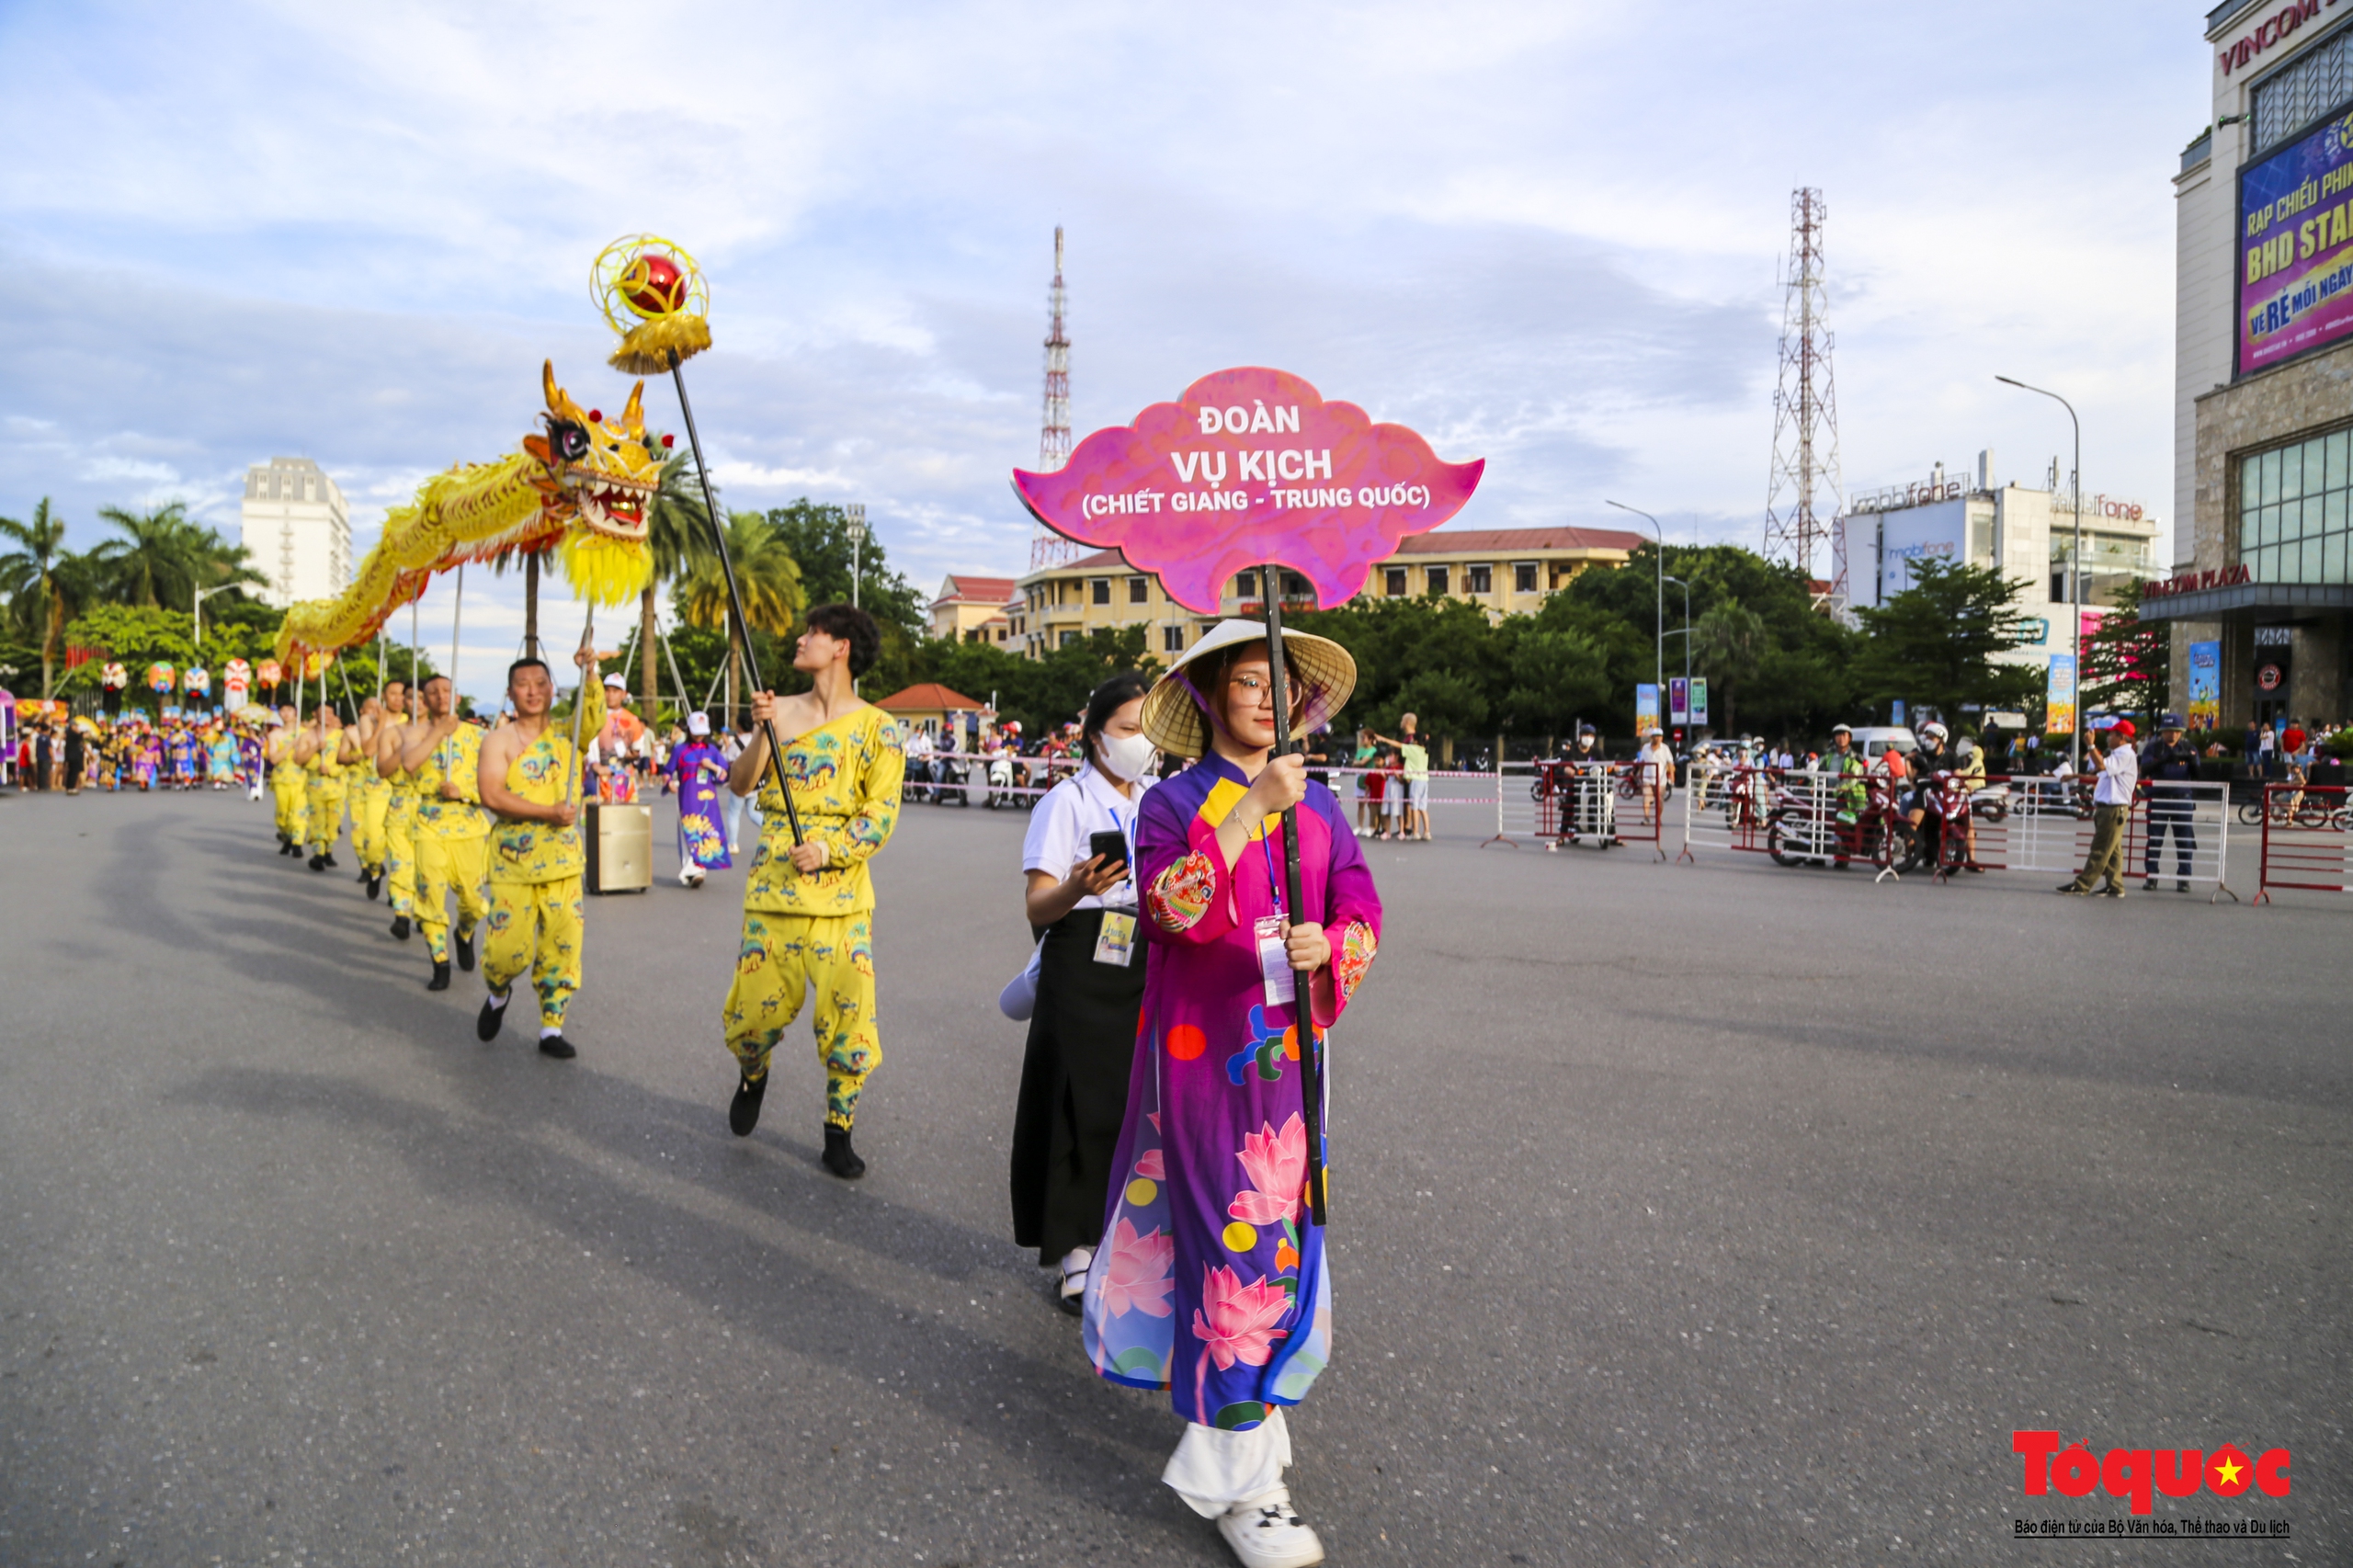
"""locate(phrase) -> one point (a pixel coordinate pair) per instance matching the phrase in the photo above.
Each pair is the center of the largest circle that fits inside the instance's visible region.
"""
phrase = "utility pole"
(2074, 573)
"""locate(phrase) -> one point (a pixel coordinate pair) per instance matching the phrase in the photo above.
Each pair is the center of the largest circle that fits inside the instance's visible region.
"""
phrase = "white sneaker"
(1267, 1532)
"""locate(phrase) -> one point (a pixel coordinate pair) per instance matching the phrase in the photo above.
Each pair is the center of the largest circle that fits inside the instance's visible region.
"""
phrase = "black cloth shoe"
(318, 862)
(839, 1157)
(333, 863)
(492, 1019)
(2113, 889)
(441, 981)
(400, 926)
(375, 885)
(555, 1045)
(362, 875)
(743, 1111)
(466, 951)
(2182, 886)
(291, 848)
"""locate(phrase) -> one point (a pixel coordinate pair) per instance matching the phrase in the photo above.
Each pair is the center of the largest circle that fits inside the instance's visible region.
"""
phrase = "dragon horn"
(633, 414)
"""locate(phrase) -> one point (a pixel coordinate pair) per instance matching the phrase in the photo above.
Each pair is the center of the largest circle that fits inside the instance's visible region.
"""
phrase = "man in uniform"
(808, 908)
(1852, 797)
(444, 753)
(2170, 764)
(529, 777)
(400, 808)
(315, 752)
(368, 791)
(286, 785)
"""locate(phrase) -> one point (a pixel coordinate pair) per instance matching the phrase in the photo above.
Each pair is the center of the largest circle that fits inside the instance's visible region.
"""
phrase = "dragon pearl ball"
(653, 286)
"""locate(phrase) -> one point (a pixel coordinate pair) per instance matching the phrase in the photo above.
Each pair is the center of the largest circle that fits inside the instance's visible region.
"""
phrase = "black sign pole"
(1311, 1066)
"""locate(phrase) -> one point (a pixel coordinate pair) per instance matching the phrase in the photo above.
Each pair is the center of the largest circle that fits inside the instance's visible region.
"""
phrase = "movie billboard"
(2205, 685)
(2295, 243)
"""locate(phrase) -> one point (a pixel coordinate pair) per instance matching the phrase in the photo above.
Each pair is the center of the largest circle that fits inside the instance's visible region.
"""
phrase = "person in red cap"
(2120, 776)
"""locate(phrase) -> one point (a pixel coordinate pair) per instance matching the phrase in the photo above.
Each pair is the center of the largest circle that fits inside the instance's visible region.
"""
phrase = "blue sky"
(1543, 234)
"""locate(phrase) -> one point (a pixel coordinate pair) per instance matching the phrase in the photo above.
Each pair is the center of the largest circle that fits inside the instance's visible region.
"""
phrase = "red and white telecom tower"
(1805, 411)
(1048, 548)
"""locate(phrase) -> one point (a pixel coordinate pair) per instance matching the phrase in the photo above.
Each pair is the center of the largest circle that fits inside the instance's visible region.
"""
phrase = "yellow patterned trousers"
(327, 814)
(400, 856)
(289, 786)
(445, 865)
(369, 801)
(536, 927)
(783, 958)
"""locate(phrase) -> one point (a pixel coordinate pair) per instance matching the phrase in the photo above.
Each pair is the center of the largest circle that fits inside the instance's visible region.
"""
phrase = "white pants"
(1212, 1469)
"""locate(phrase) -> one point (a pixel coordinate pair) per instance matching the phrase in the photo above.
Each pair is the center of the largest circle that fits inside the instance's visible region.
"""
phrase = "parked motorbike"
(1000, 788)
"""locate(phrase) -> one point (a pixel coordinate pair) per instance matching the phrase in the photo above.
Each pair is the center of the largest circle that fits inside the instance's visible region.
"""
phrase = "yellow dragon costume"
(580, 485)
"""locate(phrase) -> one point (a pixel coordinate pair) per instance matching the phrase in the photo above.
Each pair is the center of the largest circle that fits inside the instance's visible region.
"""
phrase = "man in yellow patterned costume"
(444, 755)
(808, 909)
(315, 752)
(529, 776)
(399, 870)
(370, 792)
(288, 785)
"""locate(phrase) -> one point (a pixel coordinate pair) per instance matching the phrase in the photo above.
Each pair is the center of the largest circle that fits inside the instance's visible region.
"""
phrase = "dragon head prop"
(584, 483)
(597, 477)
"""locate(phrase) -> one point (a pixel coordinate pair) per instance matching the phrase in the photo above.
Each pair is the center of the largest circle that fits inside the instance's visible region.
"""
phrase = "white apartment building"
(296, 531)
(1979, 521)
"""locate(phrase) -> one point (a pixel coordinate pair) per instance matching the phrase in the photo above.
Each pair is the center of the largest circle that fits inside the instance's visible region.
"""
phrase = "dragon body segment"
(582, 484)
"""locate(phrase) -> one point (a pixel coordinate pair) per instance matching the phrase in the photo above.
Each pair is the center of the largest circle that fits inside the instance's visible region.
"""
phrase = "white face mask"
(1124, 757)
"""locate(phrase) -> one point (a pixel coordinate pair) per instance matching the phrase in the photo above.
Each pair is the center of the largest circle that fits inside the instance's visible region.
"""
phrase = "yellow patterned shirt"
(845, 777)
(534, 852)
(457, 760)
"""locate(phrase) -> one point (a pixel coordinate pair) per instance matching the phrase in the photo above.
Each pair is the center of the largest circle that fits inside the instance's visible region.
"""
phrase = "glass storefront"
(2294, 503)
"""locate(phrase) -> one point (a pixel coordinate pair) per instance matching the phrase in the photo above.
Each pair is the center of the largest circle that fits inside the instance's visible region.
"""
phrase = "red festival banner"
(1250, 467)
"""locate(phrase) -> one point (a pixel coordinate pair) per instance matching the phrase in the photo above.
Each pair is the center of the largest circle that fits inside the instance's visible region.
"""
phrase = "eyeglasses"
(1252, 684)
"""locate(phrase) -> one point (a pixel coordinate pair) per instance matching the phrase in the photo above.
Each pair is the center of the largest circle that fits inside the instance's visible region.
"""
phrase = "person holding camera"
(1081, 899)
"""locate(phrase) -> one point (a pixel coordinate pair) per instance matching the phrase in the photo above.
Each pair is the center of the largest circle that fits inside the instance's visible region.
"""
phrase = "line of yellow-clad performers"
(447, 814)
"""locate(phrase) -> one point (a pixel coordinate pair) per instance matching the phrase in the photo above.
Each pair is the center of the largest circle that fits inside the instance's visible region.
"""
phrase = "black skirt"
(1073, 1087)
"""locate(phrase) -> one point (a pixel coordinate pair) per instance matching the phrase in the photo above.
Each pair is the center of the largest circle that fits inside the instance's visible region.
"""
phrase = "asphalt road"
(1713, 1216)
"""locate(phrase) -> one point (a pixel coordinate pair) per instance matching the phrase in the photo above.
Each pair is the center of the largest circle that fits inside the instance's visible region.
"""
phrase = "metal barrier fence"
(2307, 838)
(1998, 823)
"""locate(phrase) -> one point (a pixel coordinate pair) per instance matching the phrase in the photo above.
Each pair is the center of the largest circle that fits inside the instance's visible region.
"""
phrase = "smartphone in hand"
(1111, 844)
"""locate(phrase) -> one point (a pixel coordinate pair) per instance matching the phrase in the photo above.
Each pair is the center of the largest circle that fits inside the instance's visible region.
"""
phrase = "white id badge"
(1116, 943)
(1274, 963)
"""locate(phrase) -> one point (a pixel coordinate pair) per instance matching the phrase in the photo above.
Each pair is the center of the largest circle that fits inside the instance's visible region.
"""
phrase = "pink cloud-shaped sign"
(1250, 466)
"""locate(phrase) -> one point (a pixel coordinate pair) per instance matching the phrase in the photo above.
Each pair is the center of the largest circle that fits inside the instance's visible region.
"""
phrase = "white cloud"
(1545, 234)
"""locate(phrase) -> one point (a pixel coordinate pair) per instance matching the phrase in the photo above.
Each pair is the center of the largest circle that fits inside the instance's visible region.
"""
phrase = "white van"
(1871, 740)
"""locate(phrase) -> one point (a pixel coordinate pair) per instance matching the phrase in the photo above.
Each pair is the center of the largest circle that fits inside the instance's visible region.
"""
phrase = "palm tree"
(30, 577)
(164, 556)
(766, 573)
(530, 559)
(678, 529)
(1727, 641)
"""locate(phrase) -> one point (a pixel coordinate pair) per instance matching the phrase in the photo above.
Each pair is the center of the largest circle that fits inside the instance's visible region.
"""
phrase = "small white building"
(2030, 534)
(295, 527)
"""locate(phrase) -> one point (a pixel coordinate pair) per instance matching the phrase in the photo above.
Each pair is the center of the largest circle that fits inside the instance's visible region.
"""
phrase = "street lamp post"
(1661, 622)
(1684, 632)
(854, 526)
(2075, 574)
(198, 608)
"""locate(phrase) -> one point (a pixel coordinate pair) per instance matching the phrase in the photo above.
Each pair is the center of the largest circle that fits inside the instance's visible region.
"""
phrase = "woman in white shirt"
(1090, 984)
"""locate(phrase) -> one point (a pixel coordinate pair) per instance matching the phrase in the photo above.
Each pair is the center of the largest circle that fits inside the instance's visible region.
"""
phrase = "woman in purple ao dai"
(1212, 1280)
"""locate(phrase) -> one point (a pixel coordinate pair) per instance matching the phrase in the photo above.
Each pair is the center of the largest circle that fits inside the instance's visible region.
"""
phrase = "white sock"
(1079, 1260)
(498, 1000)
(547, 1033)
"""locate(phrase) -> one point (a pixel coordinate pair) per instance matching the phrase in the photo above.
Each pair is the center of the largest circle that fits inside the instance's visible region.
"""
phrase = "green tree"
(1557, 674)
(1728, 644)
(163, 557)
(36, 576)
(817, 535)
(768, 576)
(1934, 644)
(2128, 662)
(678, 530)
